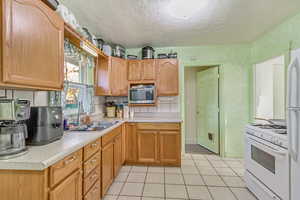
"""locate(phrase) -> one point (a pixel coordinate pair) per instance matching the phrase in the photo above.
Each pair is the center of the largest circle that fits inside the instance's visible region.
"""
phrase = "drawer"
(94, 193)
(91, 149)
(158, 126)
(91, 164)
(60, 170)
(111, 135)
(91, 179)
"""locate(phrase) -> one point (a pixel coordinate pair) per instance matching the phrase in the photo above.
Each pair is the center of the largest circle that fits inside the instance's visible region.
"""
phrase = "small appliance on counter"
(13, 130)
(45, 125)
(148, 52)
(110, 109)
(142, 94)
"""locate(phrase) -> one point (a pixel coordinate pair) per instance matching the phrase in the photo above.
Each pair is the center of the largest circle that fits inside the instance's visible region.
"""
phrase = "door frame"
(221, 136)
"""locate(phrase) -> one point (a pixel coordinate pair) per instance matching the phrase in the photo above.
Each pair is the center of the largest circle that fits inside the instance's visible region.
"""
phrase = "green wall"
(236, 63)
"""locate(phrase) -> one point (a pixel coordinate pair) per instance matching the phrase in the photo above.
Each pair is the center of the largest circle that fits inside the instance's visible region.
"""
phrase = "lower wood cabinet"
(170, 144)
(147, 151)
(117, 154)
(94, 193)
(153, 143)
(107, 166)
(70, 188)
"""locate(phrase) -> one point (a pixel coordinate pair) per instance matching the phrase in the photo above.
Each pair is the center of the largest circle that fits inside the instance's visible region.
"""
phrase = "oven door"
(268, 163)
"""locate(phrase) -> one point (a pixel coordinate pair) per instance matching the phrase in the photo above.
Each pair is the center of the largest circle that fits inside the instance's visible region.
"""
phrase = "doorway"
(202, 134)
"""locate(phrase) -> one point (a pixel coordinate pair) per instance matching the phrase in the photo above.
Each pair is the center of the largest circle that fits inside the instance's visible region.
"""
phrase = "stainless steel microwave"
(142, 94)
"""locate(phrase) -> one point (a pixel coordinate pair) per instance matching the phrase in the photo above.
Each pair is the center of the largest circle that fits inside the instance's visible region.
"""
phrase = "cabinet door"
(170, 147)
(107, 166)
(134, 70)
(147, 146)
(117, 154)
(131, 142)
(149, 71)
(118, 77)
(167, 77)
(70, 188)
(32, 45)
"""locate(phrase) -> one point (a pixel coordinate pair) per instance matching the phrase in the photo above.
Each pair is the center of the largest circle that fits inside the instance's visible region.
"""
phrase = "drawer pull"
(93, 177)
(95, 144)
(94, 160)
(73, 158)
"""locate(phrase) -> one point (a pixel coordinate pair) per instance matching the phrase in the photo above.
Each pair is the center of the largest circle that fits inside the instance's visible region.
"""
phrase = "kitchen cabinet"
(147, 146)
(32, 57)
(70, 188)
(117, 154)
(141, 70)
(153, 143)
(119, 83)
(167, 77)
(111, 77)
(134, 70)
(107, 166)
(169, 147)
(131, 143)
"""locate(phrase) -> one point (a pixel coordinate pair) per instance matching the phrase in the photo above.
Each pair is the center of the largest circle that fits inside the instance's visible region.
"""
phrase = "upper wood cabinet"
(32, 45)
(111, 77)
(134, 70)
(167, 77)
(141, 70)
(119, 83)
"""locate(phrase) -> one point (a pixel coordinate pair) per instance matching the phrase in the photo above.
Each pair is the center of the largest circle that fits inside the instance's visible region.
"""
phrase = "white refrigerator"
(293, 122)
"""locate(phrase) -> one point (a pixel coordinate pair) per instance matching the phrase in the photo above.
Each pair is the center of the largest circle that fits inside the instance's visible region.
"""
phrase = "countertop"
(41, 157)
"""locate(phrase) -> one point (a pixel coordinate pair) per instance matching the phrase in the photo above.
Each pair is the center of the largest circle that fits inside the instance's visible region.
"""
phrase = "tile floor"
(203, 177)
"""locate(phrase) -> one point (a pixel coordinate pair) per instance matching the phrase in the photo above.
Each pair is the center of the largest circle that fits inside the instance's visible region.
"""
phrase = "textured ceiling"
(134, 23)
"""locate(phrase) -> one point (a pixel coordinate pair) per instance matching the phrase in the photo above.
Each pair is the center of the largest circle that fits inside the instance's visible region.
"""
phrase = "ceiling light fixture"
(185, 9)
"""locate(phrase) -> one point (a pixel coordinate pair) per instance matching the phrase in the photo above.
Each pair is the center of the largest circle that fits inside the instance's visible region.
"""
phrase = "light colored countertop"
(41, 157)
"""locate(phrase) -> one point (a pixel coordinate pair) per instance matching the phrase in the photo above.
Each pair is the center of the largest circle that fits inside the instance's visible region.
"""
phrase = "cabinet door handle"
(95, 144)
(73, 158)
(93, 161)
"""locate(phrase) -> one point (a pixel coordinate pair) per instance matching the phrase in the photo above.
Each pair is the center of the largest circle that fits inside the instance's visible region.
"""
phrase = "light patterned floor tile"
(176, 191)
(225, 171)
(115, 188)
(187, 163)
(174, 179)
(173, 170)
(110, 197)
(154, 190)
(198, 192)
(203, 163)
(129, 198)
(198, 157)
(132, 189)
(156, 170)
(207, 171)
(239, 171)
(126, 168)
(139, 169)
(243, 194)
(189, 170)
(122, 176)
(221, 193)
(193, 179)
(136, 177)
(213, 157)
(235, 164)
(213, 181)
(233, 181)
(155, 178)
(218, 163)
(150, 198)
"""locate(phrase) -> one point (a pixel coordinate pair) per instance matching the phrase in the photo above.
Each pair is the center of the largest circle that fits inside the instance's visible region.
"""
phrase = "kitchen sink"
(96, 126)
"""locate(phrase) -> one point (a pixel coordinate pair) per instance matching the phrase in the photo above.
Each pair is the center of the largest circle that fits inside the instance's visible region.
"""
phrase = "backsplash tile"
(164, 104)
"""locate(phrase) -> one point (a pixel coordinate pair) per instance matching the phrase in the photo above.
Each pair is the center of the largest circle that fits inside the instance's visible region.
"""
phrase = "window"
(78, 92)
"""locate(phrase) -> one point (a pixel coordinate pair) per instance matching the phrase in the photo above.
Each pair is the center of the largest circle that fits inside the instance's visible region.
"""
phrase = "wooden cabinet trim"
(91, 164)
(91, 149)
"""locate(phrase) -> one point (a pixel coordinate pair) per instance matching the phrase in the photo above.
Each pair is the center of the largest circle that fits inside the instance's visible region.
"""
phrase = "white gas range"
(267, 161)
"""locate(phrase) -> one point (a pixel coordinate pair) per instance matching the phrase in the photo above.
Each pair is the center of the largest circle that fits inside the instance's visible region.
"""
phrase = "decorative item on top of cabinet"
(111, 77)
(167, 77)
(31, 57)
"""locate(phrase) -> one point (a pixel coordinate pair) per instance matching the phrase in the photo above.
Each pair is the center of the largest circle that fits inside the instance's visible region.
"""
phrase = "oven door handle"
(270, 149)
